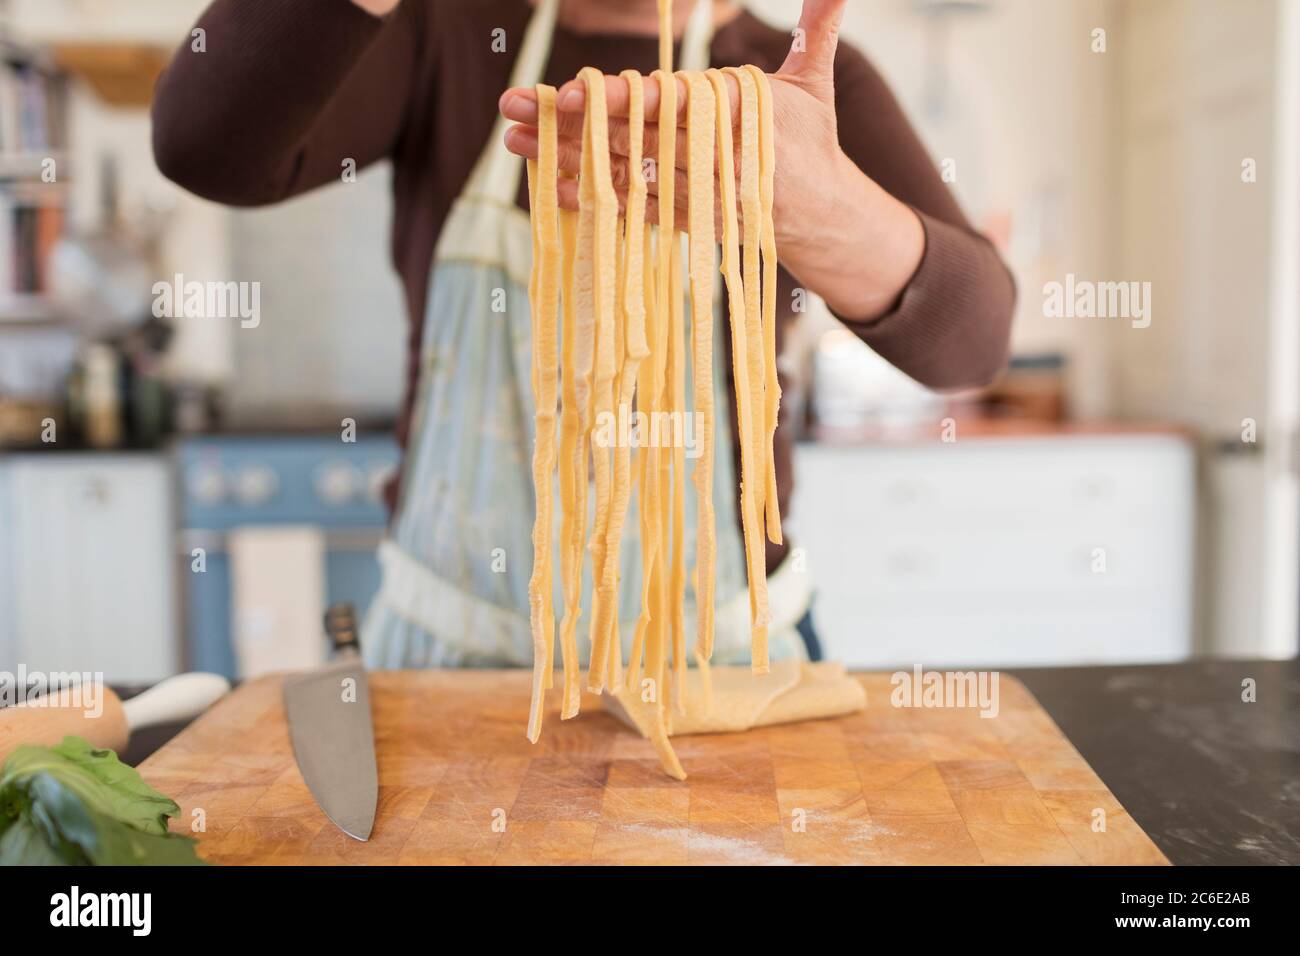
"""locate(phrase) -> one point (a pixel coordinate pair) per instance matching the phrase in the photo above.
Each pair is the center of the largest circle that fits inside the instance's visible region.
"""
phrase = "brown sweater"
(287, 89)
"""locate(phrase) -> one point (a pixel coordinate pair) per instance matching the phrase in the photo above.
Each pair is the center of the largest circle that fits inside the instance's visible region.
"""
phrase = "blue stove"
(231, 482)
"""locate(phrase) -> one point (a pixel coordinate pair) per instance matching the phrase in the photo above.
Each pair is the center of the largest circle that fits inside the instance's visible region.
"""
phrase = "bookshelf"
(33, 178)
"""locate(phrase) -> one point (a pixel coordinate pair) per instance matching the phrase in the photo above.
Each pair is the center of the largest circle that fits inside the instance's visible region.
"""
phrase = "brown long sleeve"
(287, 90)
(281, 94)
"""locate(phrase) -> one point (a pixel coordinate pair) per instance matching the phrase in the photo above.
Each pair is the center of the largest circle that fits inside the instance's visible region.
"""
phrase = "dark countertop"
(1212, 779)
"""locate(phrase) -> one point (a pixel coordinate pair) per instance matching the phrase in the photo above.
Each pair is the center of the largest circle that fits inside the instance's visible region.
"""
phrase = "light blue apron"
(459, 557)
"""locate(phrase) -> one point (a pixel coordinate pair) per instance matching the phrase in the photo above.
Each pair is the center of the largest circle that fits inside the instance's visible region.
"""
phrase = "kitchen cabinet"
(999, 551)
(87, 554)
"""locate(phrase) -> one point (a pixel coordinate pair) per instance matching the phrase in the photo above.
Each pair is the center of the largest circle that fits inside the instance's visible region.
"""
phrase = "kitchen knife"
(333, 738)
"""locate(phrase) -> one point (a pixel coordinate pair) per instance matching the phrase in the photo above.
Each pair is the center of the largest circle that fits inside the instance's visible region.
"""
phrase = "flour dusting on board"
(744, 852)
(735, 850)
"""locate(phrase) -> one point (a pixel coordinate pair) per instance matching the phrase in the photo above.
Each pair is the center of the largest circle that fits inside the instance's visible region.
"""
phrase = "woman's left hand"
(825, 207)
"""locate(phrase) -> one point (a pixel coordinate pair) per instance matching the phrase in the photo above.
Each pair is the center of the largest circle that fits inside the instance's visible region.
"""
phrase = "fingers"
(572, 98)
(522, 141)
(520, 104)
(812, 54)
(567, 190)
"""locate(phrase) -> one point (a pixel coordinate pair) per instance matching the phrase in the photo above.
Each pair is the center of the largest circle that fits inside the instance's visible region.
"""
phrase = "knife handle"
(341, 626)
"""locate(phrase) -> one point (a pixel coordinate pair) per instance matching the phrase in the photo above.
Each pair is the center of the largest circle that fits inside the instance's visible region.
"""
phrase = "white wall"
(1201, 81)
(333, 331)
(1026, 121)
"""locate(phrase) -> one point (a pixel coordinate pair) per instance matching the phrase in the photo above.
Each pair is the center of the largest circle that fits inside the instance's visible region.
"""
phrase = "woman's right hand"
(377, 7)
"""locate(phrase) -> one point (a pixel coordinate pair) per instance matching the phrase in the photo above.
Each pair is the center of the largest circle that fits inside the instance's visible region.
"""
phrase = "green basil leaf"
(71, 832)
(73, 804)
(98, 778)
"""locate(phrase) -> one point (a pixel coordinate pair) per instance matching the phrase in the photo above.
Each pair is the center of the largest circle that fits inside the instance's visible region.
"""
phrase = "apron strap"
(496, 174)
(697, 37)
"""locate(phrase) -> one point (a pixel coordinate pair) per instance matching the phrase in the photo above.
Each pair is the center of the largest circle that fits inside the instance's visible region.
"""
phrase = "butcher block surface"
(460, 784)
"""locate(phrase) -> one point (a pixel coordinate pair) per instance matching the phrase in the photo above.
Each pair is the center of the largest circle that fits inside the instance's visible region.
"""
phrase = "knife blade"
(333, 738)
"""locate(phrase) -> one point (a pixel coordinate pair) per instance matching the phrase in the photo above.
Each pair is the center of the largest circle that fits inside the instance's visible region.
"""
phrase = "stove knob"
(255, 484)
(206, 484)
(338, 483)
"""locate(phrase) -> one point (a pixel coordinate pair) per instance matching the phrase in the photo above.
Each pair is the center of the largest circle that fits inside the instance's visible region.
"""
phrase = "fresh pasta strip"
(767, 178)
(572, 481)
(544, 308)
(658, 459)
(700, 123)
(575, 421)
(634, 349)
(673, 399)
(755, 553)
(751, 208)
(679, 357)
(650, 389)
(596, 187)
(666, 36)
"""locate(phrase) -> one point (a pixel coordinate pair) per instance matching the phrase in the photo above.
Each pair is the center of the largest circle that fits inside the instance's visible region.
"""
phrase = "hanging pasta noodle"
(632, 308)
(767, 177)
(700, 121)
(617, 292)
(544, 306)
(747, 375)
(596, 187)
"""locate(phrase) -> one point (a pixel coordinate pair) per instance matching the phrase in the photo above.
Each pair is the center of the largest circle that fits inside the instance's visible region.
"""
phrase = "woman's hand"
(841, 234)
(378, 7)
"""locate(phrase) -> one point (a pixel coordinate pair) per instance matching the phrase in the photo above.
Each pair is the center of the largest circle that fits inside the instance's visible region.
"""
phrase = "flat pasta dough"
(791, 691)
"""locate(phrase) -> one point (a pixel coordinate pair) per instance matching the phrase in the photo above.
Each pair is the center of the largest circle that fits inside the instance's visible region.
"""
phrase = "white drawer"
(984, 551)
(979, 480)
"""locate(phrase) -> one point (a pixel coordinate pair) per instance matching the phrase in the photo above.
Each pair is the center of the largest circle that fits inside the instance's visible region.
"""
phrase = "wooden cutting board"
(459, 783)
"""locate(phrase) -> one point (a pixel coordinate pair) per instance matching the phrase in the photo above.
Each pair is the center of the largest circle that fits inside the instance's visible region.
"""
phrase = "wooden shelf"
(121, 74)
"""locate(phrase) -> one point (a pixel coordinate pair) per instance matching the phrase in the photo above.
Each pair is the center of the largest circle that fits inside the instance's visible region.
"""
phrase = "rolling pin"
(47, 720)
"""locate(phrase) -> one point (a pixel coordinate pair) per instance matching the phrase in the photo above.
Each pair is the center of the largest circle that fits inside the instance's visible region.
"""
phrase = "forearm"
(854, 245)
(231, 120)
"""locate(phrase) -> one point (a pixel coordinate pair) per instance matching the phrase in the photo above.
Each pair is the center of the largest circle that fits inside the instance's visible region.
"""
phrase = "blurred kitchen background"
(1123, 494)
